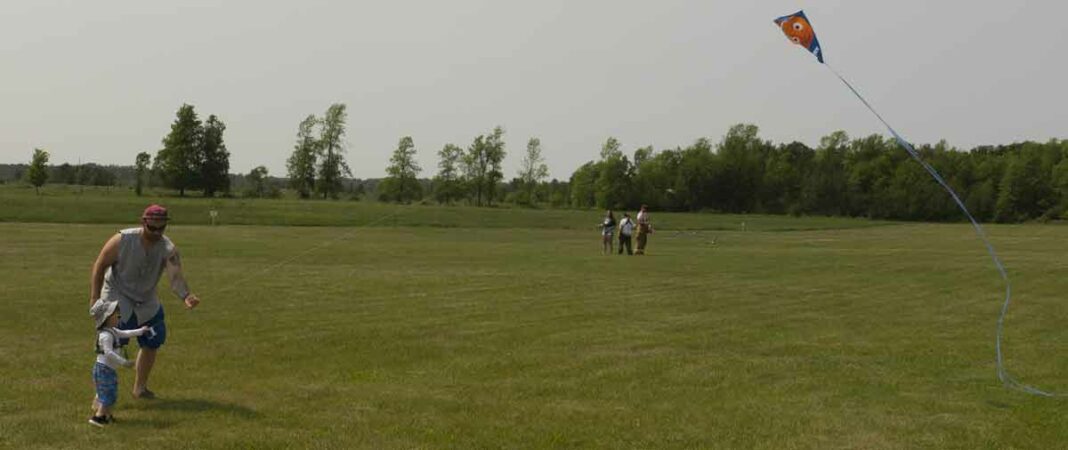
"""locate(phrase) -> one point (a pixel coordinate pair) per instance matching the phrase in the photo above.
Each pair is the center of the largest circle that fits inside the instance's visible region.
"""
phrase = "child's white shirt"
(107, 343)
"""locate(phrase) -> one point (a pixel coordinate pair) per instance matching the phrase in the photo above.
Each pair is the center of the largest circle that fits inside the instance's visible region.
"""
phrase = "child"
(106, 315)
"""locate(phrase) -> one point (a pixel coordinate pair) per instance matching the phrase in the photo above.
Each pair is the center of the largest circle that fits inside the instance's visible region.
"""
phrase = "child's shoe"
(99, 421)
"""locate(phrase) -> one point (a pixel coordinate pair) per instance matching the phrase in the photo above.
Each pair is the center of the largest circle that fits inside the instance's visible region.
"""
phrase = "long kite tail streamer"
(798, 29)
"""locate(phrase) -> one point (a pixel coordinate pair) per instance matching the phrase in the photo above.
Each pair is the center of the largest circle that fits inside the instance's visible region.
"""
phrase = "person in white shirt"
(626, 230)
(106, 380)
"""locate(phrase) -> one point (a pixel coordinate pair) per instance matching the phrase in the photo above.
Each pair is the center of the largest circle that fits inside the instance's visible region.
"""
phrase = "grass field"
(507, 329)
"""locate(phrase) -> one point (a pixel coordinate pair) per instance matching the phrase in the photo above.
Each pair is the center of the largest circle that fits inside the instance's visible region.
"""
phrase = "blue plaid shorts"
(107, 384)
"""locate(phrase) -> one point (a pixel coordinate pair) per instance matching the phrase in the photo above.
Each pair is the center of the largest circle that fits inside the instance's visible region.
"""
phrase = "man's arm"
(107, 257)
(178, 284)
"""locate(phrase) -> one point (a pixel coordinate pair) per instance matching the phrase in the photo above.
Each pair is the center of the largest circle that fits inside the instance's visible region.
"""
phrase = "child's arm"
(126, 334)
(107, 344)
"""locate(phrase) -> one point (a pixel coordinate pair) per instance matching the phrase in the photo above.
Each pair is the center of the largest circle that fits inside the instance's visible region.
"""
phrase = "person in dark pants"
(626, 229)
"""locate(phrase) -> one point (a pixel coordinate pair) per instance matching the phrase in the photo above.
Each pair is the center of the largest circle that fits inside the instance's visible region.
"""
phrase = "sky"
(101, 81)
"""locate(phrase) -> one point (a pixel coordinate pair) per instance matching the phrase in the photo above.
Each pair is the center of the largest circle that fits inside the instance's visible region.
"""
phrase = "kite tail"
(1003, 374)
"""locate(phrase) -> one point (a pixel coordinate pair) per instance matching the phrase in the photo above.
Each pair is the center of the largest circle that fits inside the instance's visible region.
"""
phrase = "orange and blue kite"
(799, 30)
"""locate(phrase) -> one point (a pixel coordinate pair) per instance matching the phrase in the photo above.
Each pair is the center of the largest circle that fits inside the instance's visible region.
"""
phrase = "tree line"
(741, 173)
(866, 177)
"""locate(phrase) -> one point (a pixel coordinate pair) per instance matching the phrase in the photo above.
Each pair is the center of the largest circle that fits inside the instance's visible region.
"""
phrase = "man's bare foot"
(145, 394)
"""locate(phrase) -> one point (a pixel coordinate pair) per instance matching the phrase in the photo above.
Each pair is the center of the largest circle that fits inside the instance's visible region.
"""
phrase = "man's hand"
(191, 301)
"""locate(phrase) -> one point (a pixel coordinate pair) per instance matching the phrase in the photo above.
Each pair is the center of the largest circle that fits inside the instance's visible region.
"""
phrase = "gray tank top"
(133, 278)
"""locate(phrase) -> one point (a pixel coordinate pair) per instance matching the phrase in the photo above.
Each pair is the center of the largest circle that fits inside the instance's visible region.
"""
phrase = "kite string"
(1003, 373)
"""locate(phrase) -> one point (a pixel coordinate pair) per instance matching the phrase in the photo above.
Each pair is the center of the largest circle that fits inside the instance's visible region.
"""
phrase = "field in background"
(69, 204)
(500, 328)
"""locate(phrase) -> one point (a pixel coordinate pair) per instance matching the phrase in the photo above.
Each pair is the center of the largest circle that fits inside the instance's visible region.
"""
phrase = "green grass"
(64, 204)
(526, 337)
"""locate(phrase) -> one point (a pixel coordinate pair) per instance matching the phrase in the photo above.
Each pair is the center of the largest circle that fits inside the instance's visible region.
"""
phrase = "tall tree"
(583, 194)
(740, 157)
(141, 170)
(37, 174)
(332, 167)
(482, 165)
(611, 148)
(402, 183)
(612, 184)
(257, 179)
(448, 185)
(475, 166)
(532, 171)
(301, 164)
(214, 158)
(494, 156)
(178, 163)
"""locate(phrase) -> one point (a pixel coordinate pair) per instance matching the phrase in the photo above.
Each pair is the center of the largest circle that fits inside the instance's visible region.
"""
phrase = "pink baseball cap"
(154, 212)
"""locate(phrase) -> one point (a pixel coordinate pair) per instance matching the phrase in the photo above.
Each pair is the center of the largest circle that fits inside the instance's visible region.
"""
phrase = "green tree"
(302, 162)
(495, 155)
(448, 184)
(257, 179)
(582, 184)
(332, 167)
(613, 179)
(784, 176)
(66, 174)
(1060, 185)
(475, 166)
(402, 184)
(826, 186)
(700, 181)
(740, 160)
(532, 172)
(642, 155)
(214, 158)
(37, 174)
(1023, 194)
(141, 164)
(658, 181)
(482, 165)
(103, 177)
(178, 163)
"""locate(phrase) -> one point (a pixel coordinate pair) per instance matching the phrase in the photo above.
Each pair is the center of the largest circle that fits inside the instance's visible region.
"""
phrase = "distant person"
(127, 272)
(645, 228)
(106, 315)
(608, 231)
(626, 230)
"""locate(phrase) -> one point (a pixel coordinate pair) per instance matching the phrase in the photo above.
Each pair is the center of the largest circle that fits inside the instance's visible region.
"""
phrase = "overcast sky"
(100, 81)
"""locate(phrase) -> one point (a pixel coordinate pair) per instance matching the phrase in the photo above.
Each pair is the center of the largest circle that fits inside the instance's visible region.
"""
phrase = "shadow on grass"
(190, 405)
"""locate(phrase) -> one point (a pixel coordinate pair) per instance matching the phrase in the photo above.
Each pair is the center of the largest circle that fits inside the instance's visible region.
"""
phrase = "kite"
(798, 29)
